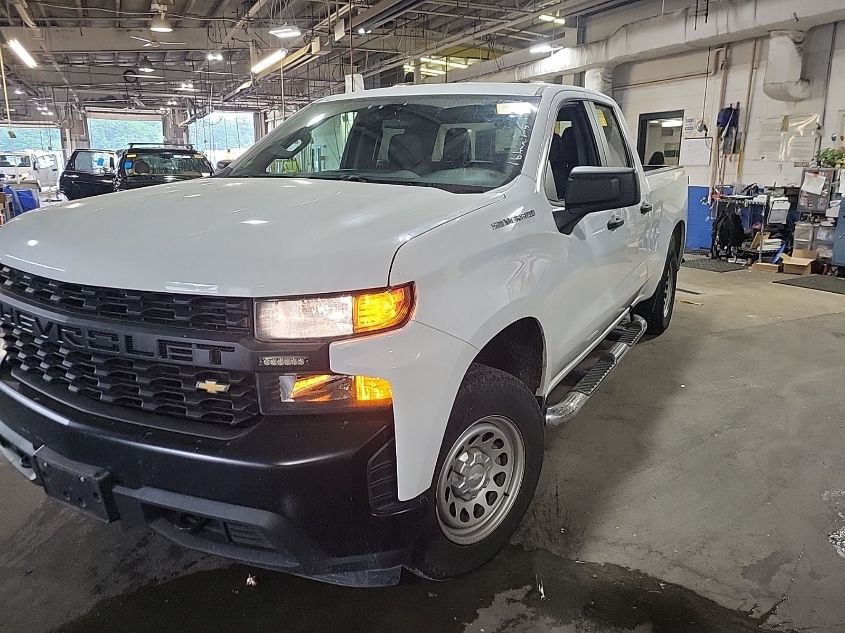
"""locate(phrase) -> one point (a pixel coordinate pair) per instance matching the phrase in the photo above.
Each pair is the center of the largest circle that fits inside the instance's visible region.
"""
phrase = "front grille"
(230, 314)
(151, 386)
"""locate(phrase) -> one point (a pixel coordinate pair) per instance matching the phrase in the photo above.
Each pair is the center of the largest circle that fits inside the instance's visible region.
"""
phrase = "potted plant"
(831, 157)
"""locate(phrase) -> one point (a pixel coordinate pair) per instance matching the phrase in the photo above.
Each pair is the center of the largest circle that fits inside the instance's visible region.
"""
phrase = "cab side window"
(573, 145)
(617, 148)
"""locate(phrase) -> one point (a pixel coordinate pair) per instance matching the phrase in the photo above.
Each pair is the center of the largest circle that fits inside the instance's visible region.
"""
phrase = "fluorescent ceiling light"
(160, 25)
(186, 85)
(214, 56)
(363, 31)
(431, 72)
(285, 31)
(550, 18)
(543, 48)
(18, 91)
(273, 58)
(443, 62)
(672, 123)
(23, 54)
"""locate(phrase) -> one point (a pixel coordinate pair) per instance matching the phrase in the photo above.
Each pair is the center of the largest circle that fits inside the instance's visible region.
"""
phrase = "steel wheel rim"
(667, 304)
(480, 480)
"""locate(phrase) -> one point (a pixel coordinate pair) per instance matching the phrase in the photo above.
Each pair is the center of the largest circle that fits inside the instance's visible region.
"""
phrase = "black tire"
(657, 309)
(485, 393)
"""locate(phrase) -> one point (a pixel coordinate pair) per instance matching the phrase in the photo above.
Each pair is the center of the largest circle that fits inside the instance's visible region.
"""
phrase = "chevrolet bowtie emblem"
(212, 386)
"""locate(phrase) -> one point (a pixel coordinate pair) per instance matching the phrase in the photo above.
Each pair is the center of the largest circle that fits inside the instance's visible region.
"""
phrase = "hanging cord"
(6, 92)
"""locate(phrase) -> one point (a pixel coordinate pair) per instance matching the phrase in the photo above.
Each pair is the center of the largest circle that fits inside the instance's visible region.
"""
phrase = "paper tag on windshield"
(514, 107)
(600, 117)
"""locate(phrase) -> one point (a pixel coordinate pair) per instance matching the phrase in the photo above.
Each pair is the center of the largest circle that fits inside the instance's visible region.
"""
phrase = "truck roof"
(461, 88)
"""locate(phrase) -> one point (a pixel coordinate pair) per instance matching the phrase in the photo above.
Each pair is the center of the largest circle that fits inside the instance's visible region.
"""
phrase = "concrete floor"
(698, 491)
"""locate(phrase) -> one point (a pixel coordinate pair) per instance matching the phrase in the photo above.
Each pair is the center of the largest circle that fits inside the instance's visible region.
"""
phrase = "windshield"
(166, 164)
(14, 160)
(460, 143)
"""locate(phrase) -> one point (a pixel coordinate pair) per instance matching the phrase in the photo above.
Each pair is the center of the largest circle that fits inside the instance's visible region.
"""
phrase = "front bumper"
(311, 495)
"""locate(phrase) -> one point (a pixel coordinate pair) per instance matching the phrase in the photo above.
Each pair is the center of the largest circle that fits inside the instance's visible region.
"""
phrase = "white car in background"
(39, 166)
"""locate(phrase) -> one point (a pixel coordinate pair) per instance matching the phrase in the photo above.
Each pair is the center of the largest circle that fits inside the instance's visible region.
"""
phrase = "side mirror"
(592, 189)
(223, 164)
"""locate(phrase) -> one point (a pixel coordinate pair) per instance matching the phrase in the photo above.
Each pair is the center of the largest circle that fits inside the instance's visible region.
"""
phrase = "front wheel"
(657, 309)
(486, 474)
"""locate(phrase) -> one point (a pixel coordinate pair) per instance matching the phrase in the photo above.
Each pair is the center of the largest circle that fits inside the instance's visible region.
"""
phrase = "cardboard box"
(764, 267)
(759, 239)
(800, 262)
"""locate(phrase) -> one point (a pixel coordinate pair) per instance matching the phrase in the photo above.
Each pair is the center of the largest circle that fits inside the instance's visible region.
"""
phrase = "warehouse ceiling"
(102, 54)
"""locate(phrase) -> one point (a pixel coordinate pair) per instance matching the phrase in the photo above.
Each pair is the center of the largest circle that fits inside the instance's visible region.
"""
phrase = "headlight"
(292, 393)
(333, 316)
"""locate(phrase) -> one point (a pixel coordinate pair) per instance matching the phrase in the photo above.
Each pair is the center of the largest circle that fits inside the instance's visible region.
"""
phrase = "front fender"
(425, 367)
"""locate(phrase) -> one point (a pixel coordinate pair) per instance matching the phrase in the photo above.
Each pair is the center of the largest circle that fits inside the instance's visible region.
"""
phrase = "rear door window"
(89, 162)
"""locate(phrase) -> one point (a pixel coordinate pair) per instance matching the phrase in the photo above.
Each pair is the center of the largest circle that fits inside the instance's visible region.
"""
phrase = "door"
(88, 173)
(584, 299)
(629, 241)
(46, 170)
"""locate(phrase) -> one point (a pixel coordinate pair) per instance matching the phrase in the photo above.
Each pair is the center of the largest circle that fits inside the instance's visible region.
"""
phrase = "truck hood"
(232, 237)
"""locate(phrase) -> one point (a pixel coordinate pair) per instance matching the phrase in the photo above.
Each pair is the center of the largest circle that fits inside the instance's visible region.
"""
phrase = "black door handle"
(645, 207)
(615, 223)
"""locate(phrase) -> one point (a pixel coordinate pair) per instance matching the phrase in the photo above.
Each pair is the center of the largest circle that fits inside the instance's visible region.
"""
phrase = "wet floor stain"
(519, 592)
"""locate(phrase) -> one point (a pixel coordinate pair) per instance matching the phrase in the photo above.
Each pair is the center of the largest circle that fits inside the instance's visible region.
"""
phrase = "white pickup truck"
(338, 356)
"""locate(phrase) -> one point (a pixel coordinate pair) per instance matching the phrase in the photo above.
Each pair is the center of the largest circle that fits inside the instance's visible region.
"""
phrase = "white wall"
(680, 83)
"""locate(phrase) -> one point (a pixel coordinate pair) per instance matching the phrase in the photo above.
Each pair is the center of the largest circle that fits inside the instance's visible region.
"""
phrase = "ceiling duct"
(783, 80)
(666, 35)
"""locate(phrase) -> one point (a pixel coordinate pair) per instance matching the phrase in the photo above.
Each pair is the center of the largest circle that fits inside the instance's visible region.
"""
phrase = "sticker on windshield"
(601, 117)
(514, 107)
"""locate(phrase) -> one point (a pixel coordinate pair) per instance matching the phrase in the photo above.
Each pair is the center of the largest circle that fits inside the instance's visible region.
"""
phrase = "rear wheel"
(486, 474)
(657, 309)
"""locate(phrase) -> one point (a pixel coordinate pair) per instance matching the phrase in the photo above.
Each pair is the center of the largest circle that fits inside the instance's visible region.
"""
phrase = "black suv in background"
(90, 172)
(145, 164)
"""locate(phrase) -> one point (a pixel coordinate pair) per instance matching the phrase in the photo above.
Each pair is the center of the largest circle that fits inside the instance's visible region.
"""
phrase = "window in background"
(659, 138)
(46, 138)
(116, 134)
(222, 135)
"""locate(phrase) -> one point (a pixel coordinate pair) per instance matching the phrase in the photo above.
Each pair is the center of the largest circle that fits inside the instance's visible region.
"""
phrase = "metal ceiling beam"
(84, 39)
(471, 33)
(253, 11)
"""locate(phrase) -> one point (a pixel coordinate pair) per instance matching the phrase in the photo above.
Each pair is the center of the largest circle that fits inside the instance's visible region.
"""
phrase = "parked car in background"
(39, 166)
(89, 172)
(143, 165)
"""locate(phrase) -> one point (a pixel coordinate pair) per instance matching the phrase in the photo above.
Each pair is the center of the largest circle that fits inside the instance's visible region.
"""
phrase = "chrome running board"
(623, 338)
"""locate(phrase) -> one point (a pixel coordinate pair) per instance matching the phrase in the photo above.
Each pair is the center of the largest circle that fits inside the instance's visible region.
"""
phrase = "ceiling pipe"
(22, 8)
(782, 81)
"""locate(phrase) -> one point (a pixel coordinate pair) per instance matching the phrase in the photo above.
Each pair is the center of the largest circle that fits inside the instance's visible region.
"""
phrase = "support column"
(599, 79)
(173, 132)
(77, 135)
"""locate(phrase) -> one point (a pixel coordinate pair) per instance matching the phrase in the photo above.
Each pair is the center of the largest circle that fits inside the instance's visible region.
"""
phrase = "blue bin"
(23, 200)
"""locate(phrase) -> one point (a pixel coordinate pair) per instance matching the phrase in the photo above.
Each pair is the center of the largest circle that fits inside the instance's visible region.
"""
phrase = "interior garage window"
(659, 138)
